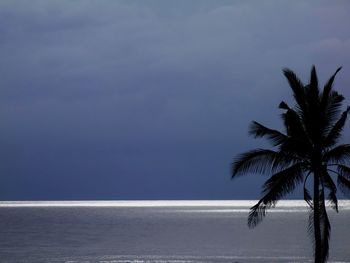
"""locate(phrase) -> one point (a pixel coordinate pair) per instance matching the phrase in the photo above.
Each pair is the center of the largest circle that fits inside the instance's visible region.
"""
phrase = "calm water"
(161, 231)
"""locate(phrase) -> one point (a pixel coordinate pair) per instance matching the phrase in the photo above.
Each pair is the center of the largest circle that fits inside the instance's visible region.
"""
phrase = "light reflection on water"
(158, 203)
(161, 231)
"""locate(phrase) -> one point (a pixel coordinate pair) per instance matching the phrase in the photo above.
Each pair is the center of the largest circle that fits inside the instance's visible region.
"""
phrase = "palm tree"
(309, 146)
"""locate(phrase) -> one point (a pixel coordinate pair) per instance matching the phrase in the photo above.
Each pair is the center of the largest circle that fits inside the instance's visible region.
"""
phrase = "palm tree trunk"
(317, 225)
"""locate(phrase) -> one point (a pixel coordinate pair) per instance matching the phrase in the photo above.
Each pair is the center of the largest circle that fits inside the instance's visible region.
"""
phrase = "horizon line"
(155, 203)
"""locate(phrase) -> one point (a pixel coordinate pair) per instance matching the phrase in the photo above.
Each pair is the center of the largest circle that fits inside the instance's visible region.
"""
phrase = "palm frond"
(330, 185)
(298, 148)
(333, 199)
(308, 198)
(274, 189)
(284, 160)
(283, 182)
(293, 124)
(332, 112)
(327, 89)
(255, 161)
(338, 154)
(283, 105)
(275, 137)
(330, 103)
(344, 170)
(344, 185)
(337, 128)
(313, 119)
(297, 86)
(257, 213)
(298, 140)
(312, 91)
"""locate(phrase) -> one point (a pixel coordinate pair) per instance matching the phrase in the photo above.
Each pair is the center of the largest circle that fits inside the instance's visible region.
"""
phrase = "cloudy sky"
(151, 99)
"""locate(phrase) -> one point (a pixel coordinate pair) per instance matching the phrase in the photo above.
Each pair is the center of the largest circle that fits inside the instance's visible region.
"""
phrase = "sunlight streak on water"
(229, 205)
(161, 231)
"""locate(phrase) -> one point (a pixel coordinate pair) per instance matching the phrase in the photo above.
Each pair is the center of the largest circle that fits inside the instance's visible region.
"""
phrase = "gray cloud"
(123, 99)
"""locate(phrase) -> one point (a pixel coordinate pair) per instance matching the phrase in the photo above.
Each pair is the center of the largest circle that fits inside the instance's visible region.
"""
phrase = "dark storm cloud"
(126, 99)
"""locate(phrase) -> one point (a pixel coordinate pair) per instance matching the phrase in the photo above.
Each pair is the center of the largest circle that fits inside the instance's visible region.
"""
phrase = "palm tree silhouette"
(309, 146)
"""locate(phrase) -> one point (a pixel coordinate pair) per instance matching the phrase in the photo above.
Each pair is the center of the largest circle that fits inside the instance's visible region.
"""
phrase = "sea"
(162, 232)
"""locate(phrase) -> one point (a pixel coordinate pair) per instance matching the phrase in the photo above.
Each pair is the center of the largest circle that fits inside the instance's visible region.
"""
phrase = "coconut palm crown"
(308, 149)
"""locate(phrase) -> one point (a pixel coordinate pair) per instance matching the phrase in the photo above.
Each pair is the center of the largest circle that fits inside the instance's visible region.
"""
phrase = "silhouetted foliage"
(308, 146)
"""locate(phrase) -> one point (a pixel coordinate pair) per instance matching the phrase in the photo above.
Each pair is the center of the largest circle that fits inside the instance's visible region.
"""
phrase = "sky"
(152, 99)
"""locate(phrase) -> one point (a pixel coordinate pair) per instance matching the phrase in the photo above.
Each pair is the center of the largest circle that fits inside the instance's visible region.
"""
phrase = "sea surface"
(162, 232)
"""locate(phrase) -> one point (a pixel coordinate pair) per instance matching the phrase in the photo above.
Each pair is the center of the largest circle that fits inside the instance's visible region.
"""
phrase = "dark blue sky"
(151, 99)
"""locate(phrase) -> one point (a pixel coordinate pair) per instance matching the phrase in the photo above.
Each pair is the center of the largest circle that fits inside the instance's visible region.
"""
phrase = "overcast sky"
(151, 99)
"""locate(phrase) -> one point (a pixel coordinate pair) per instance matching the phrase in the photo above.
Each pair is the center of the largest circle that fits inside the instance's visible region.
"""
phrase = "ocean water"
(162, 232)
